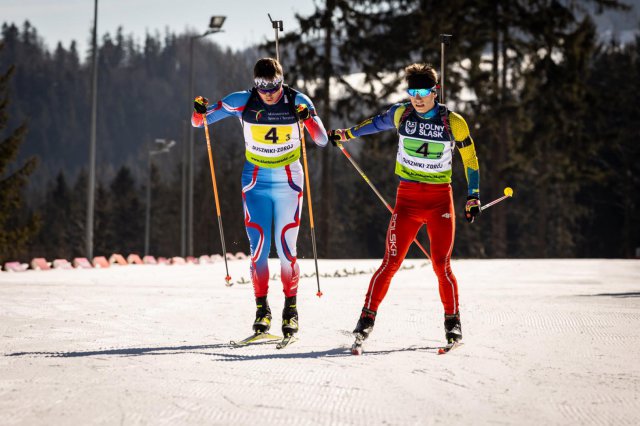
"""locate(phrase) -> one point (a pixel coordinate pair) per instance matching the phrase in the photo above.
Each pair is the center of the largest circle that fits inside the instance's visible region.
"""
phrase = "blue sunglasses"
(421, 92)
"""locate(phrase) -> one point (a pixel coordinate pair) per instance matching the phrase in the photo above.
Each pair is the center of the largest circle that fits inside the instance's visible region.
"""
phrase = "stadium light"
(215, 24)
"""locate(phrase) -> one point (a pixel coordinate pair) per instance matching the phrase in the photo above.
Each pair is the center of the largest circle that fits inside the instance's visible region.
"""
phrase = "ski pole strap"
(466, 142)
(400, 115)
(444, 116)
(252, 95)
(408, 110)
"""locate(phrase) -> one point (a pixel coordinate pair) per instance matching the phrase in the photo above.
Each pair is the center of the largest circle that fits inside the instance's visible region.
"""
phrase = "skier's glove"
(303, 112)
(339, 135)
(472, 208)
(200, 104)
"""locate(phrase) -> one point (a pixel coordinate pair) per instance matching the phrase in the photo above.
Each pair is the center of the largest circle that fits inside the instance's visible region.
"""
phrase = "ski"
(286, 341)
(449, 347)
(356, 348)
(254, 338)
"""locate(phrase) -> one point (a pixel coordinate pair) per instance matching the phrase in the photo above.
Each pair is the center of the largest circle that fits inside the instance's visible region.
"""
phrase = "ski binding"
(257, 337)
(286, 341)
(356, 348)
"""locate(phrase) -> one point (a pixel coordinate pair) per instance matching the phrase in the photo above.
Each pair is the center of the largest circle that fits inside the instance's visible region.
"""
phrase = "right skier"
(427, 135)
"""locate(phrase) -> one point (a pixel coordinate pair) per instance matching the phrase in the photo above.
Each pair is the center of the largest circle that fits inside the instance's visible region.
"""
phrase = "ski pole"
(445, 40)
(508, 193)
(277, 25)
(306, 177)
(366, 179)
(215, 195)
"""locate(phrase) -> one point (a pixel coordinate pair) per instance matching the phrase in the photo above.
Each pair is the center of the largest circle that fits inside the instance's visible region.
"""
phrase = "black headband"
(420, 81)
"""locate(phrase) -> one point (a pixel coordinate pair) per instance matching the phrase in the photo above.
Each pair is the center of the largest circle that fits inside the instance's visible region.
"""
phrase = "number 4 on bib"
(272, 135)
(431, 150)
(424, 149)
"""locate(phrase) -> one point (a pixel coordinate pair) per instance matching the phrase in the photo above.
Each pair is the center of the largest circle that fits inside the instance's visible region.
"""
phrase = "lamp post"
(162, 147)
(214, 27)
(91, 181)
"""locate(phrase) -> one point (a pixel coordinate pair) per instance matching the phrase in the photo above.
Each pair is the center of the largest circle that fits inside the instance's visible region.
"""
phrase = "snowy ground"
(546, 342)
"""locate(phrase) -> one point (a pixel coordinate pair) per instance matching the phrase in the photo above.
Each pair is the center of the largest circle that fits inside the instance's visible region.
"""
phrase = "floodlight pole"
(214, 27)
(91, 181)
(183, 196)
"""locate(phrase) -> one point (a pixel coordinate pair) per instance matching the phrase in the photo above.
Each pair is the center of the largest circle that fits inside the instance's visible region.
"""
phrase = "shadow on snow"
(342, 351)
(618, 295)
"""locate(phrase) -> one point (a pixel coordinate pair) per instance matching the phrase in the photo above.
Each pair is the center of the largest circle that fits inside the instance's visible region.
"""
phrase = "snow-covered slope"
(546, 342)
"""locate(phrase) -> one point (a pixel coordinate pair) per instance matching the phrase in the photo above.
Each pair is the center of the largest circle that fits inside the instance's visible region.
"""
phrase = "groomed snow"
(546, 342)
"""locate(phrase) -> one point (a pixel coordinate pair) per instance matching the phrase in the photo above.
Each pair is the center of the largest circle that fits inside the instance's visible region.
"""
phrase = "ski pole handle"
(445, 40)
(277, 26)
(508, 193)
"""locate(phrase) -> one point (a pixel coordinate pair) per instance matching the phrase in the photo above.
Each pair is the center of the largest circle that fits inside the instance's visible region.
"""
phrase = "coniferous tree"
(165, 230)
(53, 241)
(608, 190)
(546, 107)
(77, 221)
(142, 96)
(379, 38)
(125, 215)
(557, 149)
(16, 228)
(106, 236)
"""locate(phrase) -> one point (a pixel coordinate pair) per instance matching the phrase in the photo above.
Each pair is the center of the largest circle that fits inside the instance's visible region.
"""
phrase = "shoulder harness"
(444, 116)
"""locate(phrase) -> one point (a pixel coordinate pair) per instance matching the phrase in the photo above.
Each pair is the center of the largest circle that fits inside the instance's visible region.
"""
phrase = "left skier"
(272, 178)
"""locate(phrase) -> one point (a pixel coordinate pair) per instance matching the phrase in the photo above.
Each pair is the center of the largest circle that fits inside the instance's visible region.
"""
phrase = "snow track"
(546, 342)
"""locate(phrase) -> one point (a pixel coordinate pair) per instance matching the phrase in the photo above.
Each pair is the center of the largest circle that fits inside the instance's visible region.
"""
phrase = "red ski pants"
(418, 204)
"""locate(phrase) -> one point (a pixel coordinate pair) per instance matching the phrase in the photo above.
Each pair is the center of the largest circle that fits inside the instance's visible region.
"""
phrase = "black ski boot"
(452, 327)
(365, 323)
(290, 317)
(262, 324)
(363, 329)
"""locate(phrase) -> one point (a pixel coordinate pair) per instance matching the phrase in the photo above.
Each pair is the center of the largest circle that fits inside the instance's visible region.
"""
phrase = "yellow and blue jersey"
(426, 143)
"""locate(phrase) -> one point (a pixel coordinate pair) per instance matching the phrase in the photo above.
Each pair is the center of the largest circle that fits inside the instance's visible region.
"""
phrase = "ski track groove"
(588, 413)
(584, 408)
